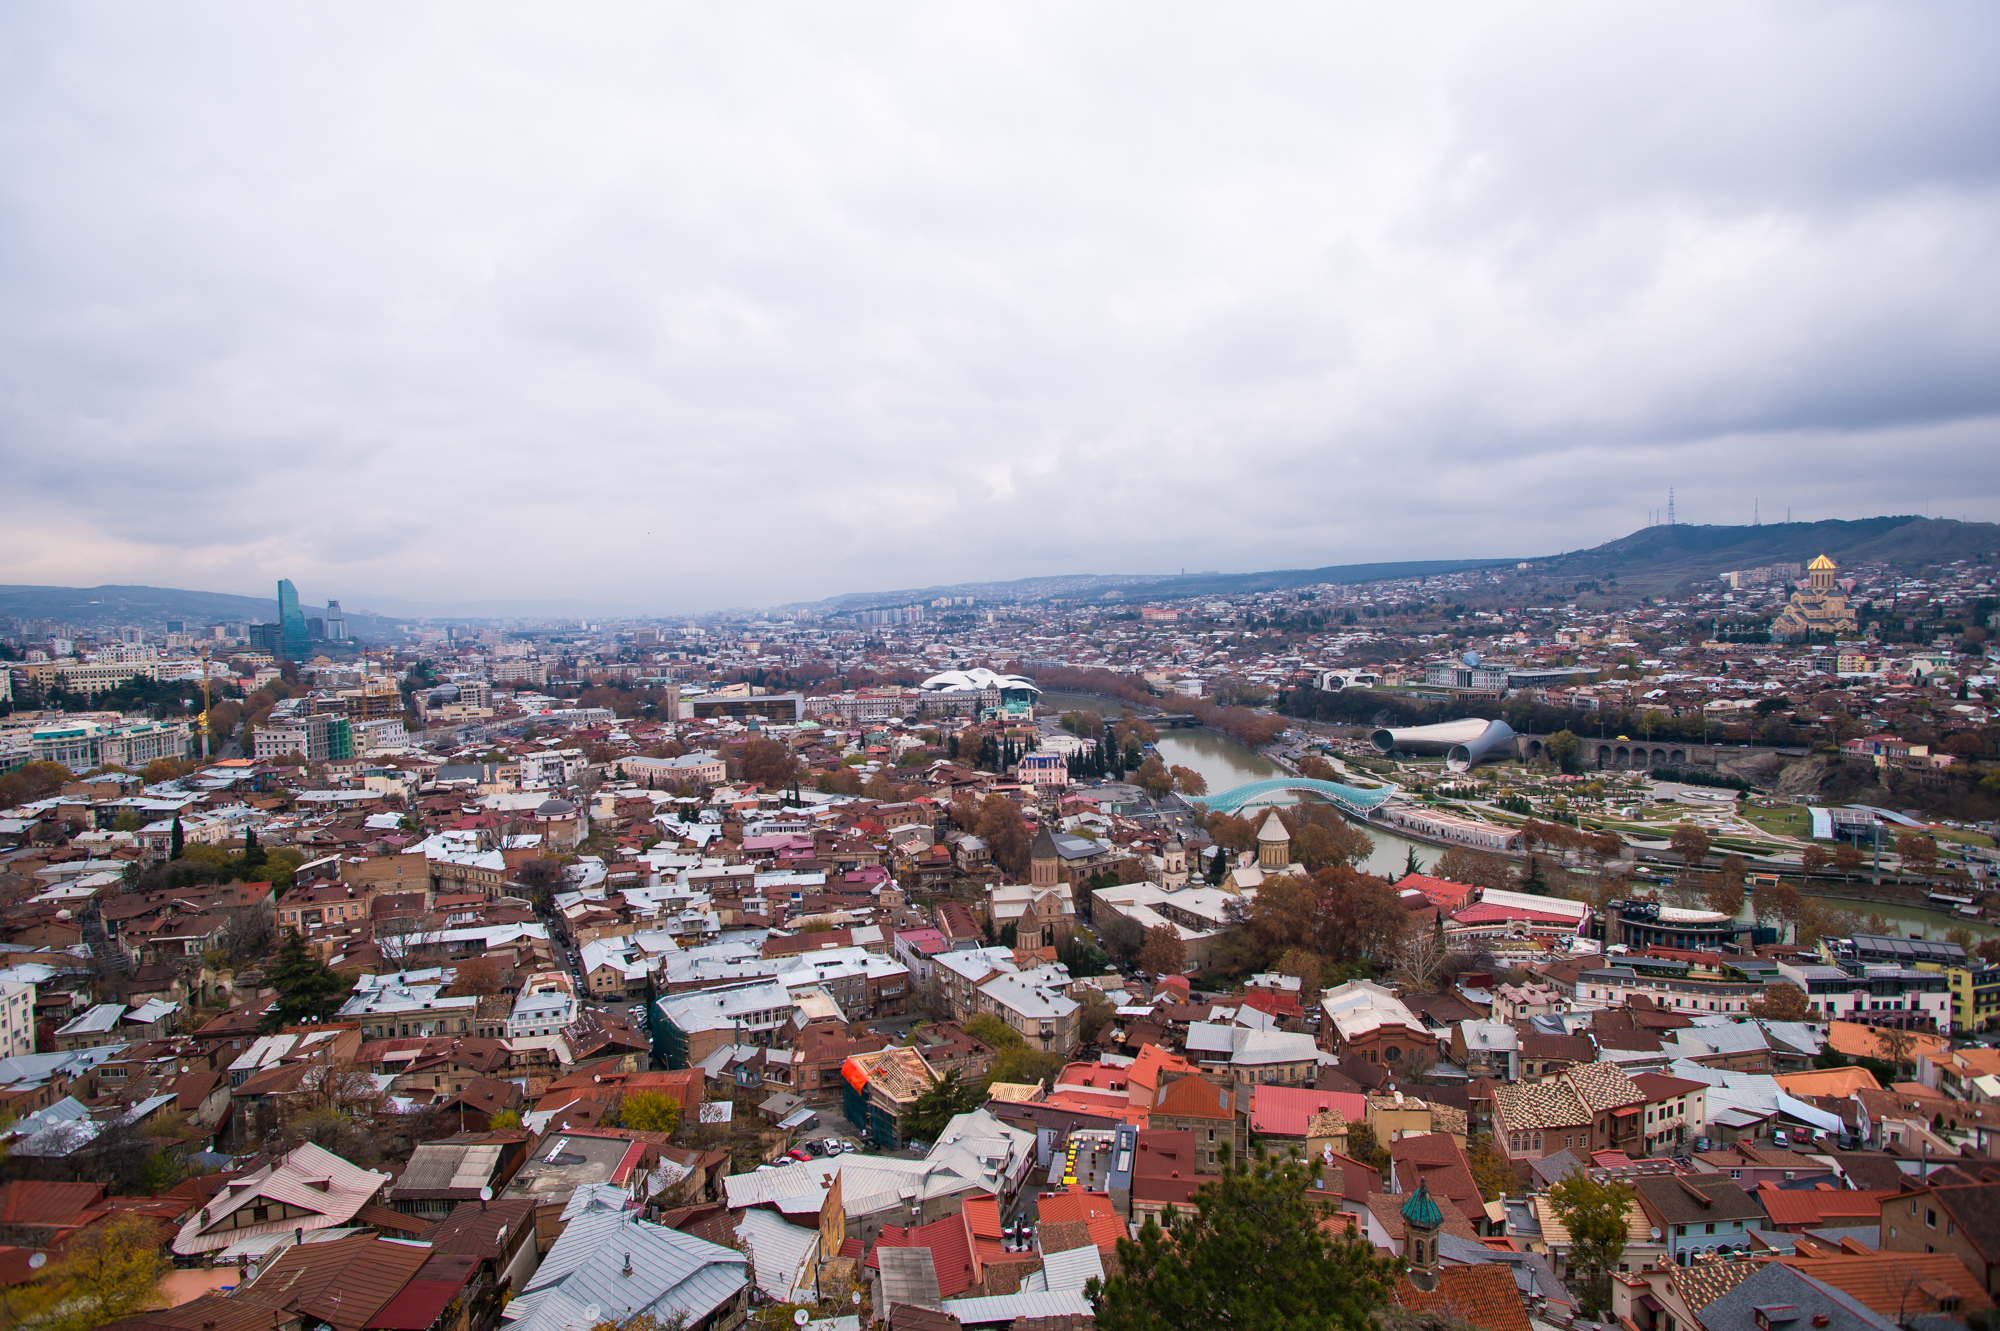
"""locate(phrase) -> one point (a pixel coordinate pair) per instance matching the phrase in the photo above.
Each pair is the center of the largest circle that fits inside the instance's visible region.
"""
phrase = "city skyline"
(555, 314)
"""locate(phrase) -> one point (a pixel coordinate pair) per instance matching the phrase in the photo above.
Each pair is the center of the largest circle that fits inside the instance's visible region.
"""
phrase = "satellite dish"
(486, 1194)
(592, 1312)
(1656, 1233)
(38, 1261)
(855, 1297)
(801, 1317)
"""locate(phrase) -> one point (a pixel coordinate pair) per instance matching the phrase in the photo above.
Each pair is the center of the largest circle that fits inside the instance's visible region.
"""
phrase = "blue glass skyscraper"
(293, 641)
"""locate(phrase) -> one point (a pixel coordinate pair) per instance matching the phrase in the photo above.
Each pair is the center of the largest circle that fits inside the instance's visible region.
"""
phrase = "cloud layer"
(683, 307)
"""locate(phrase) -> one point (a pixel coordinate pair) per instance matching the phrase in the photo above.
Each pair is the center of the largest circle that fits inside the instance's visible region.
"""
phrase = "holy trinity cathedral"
(1817, 607)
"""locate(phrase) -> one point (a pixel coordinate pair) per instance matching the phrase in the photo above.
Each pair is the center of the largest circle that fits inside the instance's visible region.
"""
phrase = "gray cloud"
(685, 308)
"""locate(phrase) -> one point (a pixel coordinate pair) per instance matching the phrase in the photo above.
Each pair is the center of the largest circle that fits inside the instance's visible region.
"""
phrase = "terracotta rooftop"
(1482, 1296)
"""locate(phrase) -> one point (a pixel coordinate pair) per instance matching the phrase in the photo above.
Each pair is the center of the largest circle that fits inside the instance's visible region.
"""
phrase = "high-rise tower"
(293, 641)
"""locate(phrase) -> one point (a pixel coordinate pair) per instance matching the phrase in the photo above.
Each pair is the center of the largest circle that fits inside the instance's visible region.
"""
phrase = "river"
(1225, 762)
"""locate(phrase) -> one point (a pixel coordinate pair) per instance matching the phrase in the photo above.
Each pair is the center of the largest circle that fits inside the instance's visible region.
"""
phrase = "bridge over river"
(1360, 803)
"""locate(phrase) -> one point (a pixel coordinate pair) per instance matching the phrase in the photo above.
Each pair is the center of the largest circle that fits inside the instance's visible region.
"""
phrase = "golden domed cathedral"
(1817, 607)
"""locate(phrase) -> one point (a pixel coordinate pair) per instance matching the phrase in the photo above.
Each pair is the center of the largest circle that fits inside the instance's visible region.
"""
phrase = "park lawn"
(1963, 838)
(1739, 846)
(1785, 821)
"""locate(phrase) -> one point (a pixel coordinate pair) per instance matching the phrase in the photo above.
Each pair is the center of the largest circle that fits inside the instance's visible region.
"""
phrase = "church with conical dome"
(1816, 608)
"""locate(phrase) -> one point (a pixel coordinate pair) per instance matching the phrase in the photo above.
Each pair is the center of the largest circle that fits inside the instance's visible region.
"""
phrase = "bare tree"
(1422, 958)
(1897, 1044)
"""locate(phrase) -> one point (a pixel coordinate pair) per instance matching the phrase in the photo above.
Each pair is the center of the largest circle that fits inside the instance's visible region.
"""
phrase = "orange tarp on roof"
(1828, 1081)
(1859, 1041)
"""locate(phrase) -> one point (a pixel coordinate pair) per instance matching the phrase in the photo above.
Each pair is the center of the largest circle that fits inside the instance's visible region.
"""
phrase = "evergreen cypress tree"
(178, 841)
(1532, 881)
(307, 990)
(1253, 1253)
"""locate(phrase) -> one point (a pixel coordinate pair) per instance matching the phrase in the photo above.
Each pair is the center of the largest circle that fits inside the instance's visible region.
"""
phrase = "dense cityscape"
(911, 667)
(1587, 954)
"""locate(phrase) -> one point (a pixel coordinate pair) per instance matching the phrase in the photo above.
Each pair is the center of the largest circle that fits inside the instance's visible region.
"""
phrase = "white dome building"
(979, 679)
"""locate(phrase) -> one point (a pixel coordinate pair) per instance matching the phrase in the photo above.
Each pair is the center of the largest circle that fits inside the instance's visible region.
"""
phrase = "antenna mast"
(1670, 505)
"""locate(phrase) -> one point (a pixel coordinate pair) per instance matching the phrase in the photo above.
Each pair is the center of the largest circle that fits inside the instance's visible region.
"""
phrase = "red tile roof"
(952, 1251)
(1483, 1296)
(1820, 1207)
(41, 1202)
(417, 1307)
(1284, 1111)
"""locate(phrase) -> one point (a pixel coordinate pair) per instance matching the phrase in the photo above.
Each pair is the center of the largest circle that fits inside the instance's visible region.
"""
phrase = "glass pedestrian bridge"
(1360, 803)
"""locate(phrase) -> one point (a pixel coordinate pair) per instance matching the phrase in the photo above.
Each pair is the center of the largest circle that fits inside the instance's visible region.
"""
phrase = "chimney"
(628, 1263)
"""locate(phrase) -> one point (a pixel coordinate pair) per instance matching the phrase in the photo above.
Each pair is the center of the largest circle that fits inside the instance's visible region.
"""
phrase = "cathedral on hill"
(1817, 607)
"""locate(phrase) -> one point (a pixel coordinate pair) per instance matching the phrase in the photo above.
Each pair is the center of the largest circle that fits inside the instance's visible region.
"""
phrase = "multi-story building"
(97, 677)
(1667, 984)
(1699, 1214)
(545, 1006)
(137, 743)
(318, 739)
(1952, 1218)
(694, 769)
(688, 1027)
(83, 745)
(408, 1003)
(1875, 995)
(1646, 924)
(1043, 770)
(518, 672)
(17, 1019)
(1368, 1021)
(1974, 985)
(1591, 1107)
(1676, 1110)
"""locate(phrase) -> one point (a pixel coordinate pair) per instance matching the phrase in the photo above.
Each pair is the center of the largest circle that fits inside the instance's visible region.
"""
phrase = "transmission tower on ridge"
(1670, 505)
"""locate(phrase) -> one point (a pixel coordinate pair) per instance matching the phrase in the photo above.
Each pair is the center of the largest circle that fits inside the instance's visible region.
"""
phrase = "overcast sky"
(694, 306)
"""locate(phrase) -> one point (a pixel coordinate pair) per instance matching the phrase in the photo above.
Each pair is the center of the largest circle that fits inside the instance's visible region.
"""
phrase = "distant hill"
(1649, 562)
(1656, 560)
(153, 606)
(132, 605)
(1156, 586)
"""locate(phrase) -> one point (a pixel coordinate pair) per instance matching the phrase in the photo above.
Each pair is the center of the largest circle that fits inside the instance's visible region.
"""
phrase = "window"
(1708, 1229)
(1930, 1218)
